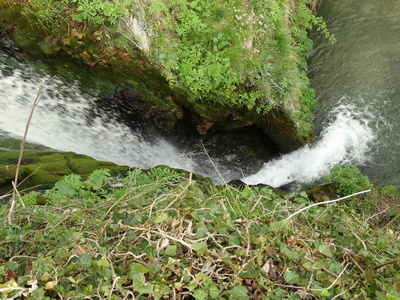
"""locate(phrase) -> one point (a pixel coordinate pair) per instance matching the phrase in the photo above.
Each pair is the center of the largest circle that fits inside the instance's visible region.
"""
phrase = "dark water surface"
(357, 83)
(361, 71)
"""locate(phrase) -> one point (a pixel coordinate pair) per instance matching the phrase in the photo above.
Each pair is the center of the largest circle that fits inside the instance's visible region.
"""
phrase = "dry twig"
(15, 182)
(326, 202)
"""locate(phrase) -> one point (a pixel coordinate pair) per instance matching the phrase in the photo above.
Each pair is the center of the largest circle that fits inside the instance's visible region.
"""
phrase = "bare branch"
(326, 202)
(15, 183)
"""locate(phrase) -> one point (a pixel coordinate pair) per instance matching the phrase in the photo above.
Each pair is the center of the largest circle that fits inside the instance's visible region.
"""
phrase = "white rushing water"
(64, 120)
(345, 140)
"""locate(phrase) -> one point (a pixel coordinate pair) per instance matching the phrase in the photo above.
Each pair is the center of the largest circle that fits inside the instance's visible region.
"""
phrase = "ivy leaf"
(320, 265)
(200, 248)
(171, 250)
(199, 294)
(201, 229)
(103, 262)
(325, 292)
(136, 268)
(160, 291)
(140, 285)
(291, 277)
(212, 289)
(192, 285)
(249, 273)
(239, 292)
(324, 249)
(160, 218)
(85, 260)
(334, 266)
(289, 254)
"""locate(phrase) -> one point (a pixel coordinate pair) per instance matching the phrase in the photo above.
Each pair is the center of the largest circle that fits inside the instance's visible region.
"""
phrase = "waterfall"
(65, 120)
(344, 140)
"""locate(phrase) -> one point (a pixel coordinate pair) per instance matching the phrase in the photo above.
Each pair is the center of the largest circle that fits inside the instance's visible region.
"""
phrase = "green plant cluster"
(236, 55)
(101, 12)
(163, 234)
(54, 15)
(348, 180)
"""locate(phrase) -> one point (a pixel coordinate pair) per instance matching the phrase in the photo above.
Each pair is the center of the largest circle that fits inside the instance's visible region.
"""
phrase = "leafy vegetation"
(348, 180)
(236, 55)
(51, 14)
(226, 55)
(165, 234)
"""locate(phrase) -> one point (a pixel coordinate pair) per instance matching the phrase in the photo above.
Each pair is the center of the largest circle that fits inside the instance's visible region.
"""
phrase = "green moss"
(43, 169)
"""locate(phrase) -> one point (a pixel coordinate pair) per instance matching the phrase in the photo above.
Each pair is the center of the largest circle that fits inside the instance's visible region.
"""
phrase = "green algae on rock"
(41, 169)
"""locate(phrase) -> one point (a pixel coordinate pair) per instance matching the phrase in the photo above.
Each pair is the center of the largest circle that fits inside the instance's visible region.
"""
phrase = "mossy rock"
(43, 169)
(322, 193)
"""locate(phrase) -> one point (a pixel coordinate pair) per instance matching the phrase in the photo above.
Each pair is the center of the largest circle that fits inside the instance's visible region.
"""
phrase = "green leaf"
(160, 218)
(160, 291)
(249, 273)
(201, 229)
(178, 285)
(324, 249)
(289, 254)
(97, 179)
(85, 260)
(200, 294)
(325, 292)
(200, 248)
(334, 266)
(238, 292)
(225, 255)
(291, 277)
(12, 265)
(171, 250)
(319, 265)
(140, 285)
(69, 185)
(304, 195)
(212, 289)
(381, 296)
(192, 285)
(38, 294)
(103, 262)
(136, 268)
(171, 262)
(234, 241)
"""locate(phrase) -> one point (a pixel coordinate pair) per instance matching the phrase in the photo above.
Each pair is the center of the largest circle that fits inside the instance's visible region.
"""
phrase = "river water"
(357, 86)
(357, 119)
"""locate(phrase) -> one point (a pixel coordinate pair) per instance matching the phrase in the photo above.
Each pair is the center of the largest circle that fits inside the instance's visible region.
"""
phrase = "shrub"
(348, 180)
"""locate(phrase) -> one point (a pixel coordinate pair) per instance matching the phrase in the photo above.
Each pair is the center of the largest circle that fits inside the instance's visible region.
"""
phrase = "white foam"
(345, 140)
(64, 120)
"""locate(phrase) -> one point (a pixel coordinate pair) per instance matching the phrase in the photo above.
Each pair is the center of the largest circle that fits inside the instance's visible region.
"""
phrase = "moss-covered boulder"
(221, 65)
(43, 168)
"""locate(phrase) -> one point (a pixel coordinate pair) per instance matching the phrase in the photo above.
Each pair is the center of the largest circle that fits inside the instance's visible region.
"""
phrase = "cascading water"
(357, 85)
(64, 120)
(344, 140)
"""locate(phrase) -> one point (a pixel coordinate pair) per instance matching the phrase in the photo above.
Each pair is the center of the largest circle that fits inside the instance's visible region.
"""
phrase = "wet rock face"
(131, 103)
